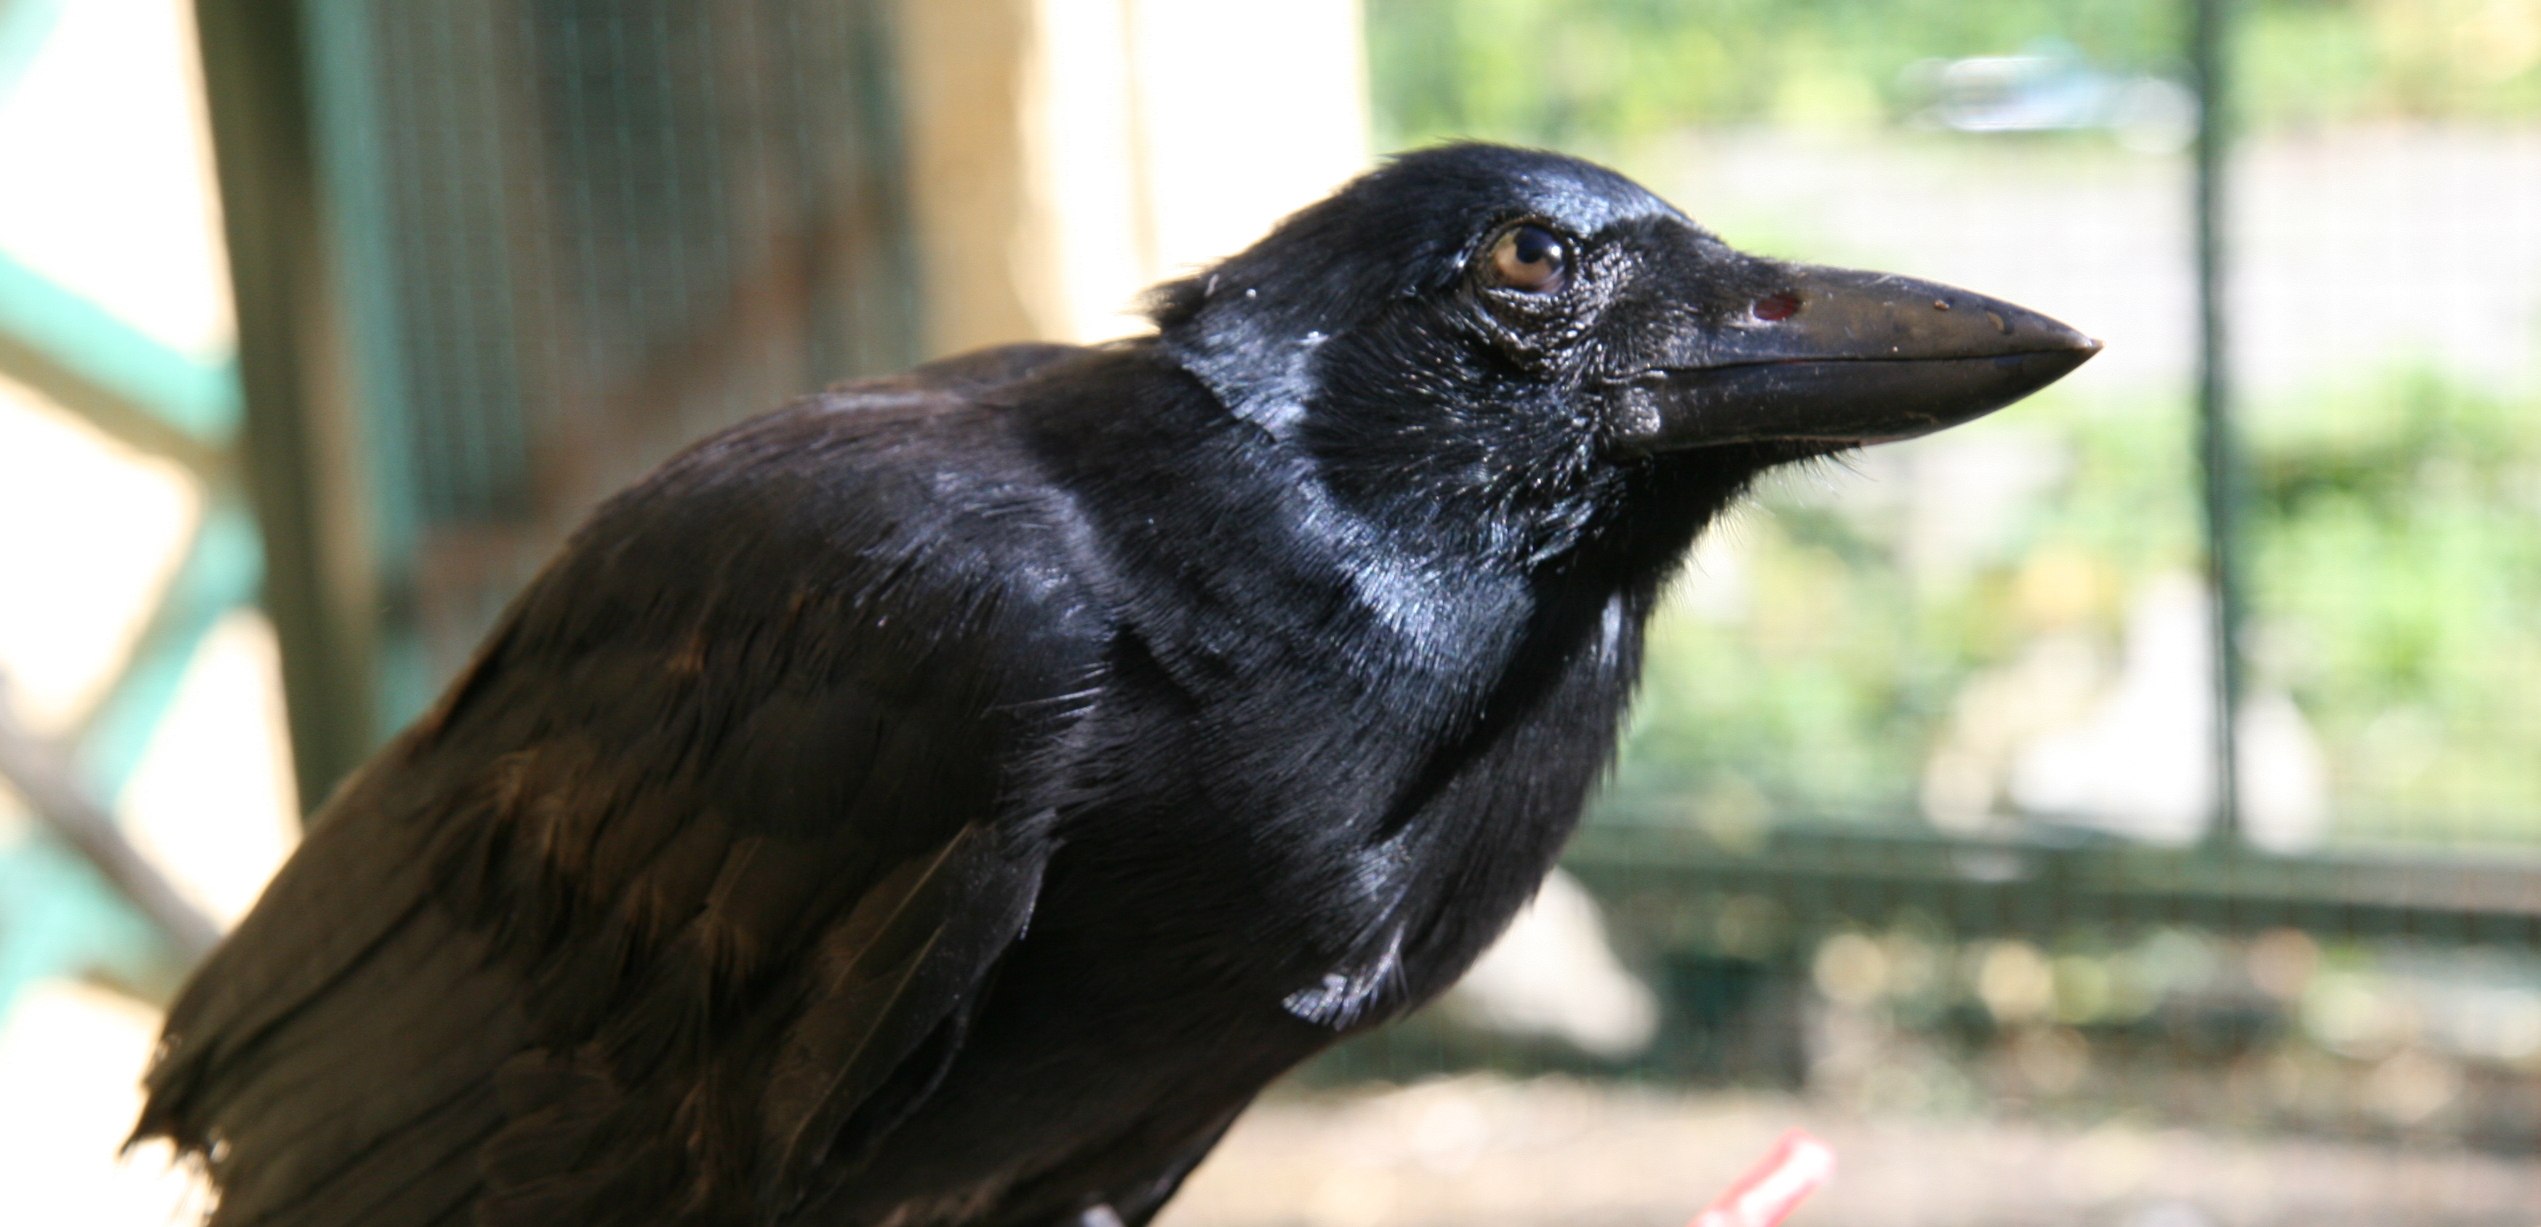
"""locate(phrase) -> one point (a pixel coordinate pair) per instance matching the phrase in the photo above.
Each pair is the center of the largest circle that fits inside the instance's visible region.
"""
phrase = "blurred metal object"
(125, 383)
(2052, 88)
(156, 399)
(297, 446)
(1813, 877)
(2218, 451)
(42, 775)
(23, 25)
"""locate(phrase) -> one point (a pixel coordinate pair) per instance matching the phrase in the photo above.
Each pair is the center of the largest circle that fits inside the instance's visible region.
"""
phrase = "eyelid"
(1560, 235)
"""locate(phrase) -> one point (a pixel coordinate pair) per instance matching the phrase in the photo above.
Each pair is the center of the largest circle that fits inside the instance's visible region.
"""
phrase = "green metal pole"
(299, 443)
(2210, 54)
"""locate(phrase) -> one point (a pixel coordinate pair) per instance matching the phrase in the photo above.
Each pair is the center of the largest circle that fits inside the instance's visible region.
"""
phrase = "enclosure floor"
(1488, 1152)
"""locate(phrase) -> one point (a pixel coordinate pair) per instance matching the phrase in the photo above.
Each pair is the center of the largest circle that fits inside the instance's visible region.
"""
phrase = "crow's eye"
(1529, 258)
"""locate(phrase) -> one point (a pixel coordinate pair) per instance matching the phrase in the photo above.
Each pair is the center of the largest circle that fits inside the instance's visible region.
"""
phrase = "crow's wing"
(689, 884)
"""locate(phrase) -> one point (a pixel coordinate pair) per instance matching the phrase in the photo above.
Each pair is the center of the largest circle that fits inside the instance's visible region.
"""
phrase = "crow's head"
(1478, 339)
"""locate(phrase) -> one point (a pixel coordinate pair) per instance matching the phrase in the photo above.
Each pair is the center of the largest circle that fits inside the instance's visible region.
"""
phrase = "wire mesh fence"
(581, 235)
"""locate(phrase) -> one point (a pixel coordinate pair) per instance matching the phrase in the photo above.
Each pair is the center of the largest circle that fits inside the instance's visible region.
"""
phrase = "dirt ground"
(1482, 1151)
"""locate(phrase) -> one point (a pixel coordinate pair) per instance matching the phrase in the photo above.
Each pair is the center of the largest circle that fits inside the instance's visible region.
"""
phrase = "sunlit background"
(1925, 837)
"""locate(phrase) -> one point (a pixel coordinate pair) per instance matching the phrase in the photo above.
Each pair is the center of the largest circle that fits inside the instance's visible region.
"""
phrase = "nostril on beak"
(1774, 308)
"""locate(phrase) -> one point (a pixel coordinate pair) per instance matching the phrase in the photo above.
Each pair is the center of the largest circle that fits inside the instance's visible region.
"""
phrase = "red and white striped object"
(1792, 1170)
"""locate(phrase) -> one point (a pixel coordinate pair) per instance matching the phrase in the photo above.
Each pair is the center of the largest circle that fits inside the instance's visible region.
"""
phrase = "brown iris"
(1529, 258)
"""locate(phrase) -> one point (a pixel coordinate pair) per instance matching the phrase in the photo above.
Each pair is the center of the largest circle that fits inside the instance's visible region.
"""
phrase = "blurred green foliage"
(1615, 71)
(1823, 687)
(2397, 569)
(2395, 526)
(2310, 62)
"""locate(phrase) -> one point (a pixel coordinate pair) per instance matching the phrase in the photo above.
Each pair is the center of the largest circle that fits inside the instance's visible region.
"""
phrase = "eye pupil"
(1529, 258)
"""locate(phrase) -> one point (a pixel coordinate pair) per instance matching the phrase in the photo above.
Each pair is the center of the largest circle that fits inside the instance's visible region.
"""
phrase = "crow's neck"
(1279, 564)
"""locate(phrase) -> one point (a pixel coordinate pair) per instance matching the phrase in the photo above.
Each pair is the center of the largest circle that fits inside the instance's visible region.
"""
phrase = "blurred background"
(2124, 811)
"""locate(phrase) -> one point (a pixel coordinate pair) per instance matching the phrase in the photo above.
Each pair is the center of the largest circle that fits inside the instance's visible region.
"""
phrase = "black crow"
(950, 799)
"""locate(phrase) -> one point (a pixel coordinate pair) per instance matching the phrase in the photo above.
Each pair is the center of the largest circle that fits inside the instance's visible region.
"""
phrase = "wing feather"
(683, 892)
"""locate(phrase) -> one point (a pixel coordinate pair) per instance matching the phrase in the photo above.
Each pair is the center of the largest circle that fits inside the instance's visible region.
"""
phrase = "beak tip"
(2084, 350)
(2058, 334)
(2072, 345)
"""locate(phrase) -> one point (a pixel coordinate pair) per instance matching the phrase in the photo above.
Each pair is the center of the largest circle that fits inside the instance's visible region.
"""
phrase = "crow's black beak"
(1844, 358)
